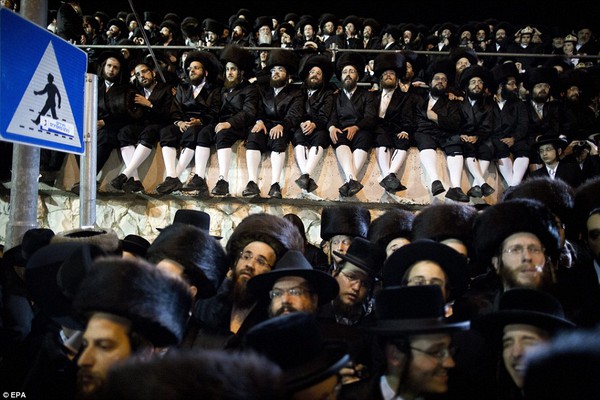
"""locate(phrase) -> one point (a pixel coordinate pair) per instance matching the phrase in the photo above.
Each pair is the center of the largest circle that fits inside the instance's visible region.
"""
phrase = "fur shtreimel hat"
(277, 232)
(475, 71)
(441, 66)
(494, 224)
(203, 258)
(104, 238)
(350, 58)
(533, 76)
(209, 61)
(344, 220)
(394, 61)
(239, 56)
(157, 305)
(392, 224)
(316, 60)
(283, 58)
(445, 221)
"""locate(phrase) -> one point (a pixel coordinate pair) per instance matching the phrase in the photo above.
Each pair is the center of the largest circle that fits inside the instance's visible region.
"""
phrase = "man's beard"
(91, 393)
(540, 98)
(573, 99)
(349, 84)
(347, 310)
(509, 278)
(264, 38)
(231, 84)
(236, 35)
(241, 296)
(313, 84)
(391, 84)
(475, 96)
(196, 81)
(508, 94)
(435, 92)
(277, 83)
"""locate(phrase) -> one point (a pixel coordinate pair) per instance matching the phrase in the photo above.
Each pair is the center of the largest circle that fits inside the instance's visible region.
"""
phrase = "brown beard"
(241, 297)
(84, 395)
(231, 84)
(349, 85)
(277, 83)
(313, 85)
(347, 311)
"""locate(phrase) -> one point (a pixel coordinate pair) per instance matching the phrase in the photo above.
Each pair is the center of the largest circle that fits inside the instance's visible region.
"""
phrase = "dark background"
(566, 14)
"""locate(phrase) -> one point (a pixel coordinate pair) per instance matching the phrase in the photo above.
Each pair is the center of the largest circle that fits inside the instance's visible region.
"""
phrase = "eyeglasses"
(353, 279)
(421, 280)
(518, 250)
(194, 68)
(345, 242)
(295, 292)
(440, 355)
(260, 260)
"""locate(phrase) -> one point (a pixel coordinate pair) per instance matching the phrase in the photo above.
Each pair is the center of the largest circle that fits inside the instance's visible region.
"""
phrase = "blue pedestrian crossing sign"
(42, 84)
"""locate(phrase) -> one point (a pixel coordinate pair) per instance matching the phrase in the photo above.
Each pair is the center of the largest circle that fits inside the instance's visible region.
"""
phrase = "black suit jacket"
(568, 172)
(286, 108)
(360, 110)
(239, 107)
(400, 116)
(511, 121)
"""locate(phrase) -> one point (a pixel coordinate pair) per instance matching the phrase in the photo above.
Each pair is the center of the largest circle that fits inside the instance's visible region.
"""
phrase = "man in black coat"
(550, 149)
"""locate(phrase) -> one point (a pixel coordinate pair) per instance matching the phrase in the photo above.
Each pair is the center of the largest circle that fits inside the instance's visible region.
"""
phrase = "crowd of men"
(531, 110)
(451, 302)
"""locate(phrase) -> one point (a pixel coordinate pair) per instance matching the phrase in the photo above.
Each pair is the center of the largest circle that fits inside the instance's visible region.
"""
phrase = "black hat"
(202, 257)
(364, 254)
(444, 66)
(475, 71)
(445, 221)
(327, 17)
(119, 23)
(417, 61)
(309, 61)
(291, 17)
(288, 28)
(394, 61)
(102, 16)
(212, 25)
(198, 218)
(34, 239)
(262, 21)
(506, 26)
(53, 275)
(173, 27)
(244, 24)
(392, 30)
(494, 224)
(105, 238)
(501, 72)
(395, 223)
(533, 76)
(239, 56)
(557, 141)
(158, 305)
(411, 310)
(523, 306)
(587, 202)
(354, 20)
(190, 26)
(245, 12)
(152, 17)
(344, 220)
(135, 244)
(296, 344)
(447, 25)
(172, 17)
(350, 58)
(293, 263)
(453, 264)
(308, 20)
(209, 61)
(277, 232)
(463, 52)
(283, 58)
(372, 22)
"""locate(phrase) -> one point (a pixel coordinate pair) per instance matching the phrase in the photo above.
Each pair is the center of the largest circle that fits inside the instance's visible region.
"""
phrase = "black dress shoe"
(312, 185)
(119, 181)
(391, 183)
(75, 188)
(221, 188)
(354, 187)
(170, 185)
(487, 189)
(133, 186)
(344, 189)
(475, 191)
(457, 194)
(302, 182)
(197, 183)
(437, 187)
(251, 189)
(275, 191)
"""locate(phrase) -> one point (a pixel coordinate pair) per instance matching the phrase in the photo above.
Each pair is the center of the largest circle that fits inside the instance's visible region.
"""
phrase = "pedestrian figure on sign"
(52, 92)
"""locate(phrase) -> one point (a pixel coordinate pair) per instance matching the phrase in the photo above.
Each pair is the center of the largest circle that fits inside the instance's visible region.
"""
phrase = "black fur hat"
(283, 58)
(203, 258)
(390, 225)
(475, 71)
(393, 61)
(350, 58)
(316, 60)
(444, 66)
(494, 224)
(445, 221)
(239, 56)
(157, 305)
(344, 220)
(586, 201)
(277, 232)
(190, 26)
(533, 76)
(209, 61)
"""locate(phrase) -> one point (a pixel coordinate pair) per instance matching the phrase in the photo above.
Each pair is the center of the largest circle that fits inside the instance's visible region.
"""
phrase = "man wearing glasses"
(414, 341)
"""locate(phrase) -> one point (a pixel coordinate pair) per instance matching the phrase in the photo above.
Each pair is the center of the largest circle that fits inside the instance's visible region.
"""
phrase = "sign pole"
(87, 174)
(26, 161)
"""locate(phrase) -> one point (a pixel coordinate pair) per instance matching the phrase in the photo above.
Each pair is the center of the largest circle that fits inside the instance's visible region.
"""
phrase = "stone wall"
(142, 213)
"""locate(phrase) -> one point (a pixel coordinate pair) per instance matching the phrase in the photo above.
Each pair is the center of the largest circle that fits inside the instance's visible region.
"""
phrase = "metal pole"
(87, 173)
(26, 161)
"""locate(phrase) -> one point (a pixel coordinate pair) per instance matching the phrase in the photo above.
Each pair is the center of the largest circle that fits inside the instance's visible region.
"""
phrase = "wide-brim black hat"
(375, 26)
(119, 24)
(209, 61)
(411, 310)
(533, 76)
(316, 60)
(283, 58)
(463, 52)
(390, 61)
(327, 17)
(452, 263)
(501, 72)
(263, 20)
(190, 26)
(244, 24)
(523, 306)
(296, 344)
(293, 263)
(198, 218)
(354, 20)
(346, 220)
(475, 71)
(212, 25)
(172, 26)
(350, 58)
(557, 141)
(135, 244)
(152, 17)
(364, 254)
(308, 20)
(441, 66)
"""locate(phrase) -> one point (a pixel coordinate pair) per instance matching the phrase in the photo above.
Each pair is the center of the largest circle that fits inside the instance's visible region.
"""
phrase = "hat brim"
(333, 358)
(356, 261)
(396, 327)
(326, 286)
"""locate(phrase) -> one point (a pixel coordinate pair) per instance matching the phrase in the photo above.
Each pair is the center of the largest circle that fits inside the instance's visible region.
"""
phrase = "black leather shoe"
(312, 185)
(197, 183)
(391, 183)
(475, 191)
(75, 188)
(437, 187)
(354, 187)
(119, 181)
(221, 188)
(170, 185)
(302, 182)
(251, 189)
(344, 189)
(457, 194)
(133, 186)
(275, 191)
(487, 189)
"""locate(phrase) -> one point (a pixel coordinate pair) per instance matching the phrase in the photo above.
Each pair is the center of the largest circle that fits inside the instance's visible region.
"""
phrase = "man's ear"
(496, 264)
(193, 290)
(394, 356)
